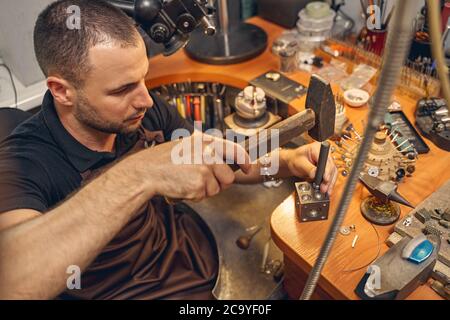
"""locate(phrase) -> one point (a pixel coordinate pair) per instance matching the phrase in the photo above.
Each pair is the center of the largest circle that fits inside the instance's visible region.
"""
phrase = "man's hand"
(301, 162)
(194, 167)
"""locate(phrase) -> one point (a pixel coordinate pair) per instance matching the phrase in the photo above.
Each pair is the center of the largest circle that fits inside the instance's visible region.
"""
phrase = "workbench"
(301, 242)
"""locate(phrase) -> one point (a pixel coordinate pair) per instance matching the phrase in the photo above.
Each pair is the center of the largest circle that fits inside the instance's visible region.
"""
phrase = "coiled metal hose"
(434, 20)
(396, 49)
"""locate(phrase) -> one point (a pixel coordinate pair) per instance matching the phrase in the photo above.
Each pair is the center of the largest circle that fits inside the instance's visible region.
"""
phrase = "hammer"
(318, 119)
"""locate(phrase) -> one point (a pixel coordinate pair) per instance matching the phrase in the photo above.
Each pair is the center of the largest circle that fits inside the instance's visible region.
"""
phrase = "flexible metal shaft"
(434, 20)
(397, 46)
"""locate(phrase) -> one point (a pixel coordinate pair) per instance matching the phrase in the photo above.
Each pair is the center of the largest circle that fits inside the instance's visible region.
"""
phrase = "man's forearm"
(34, 255)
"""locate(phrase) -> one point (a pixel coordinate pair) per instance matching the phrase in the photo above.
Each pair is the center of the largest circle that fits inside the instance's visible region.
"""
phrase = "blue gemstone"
(421, 252)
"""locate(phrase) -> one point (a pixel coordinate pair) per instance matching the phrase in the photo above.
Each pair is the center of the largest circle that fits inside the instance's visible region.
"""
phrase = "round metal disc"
(380, 213)
(344, 231)
(242, 42)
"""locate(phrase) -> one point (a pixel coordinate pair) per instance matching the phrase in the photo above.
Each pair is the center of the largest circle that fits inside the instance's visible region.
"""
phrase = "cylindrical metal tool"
(223, 16)
(219, 117)
(321, 164)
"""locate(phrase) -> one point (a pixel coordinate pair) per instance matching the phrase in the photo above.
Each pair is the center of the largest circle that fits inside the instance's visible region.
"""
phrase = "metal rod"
(434, 18)
(223, 16)
(224, 25)
(321, 164)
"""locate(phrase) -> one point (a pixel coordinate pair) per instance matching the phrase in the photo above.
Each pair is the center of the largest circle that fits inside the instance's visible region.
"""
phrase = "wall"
(17, 19)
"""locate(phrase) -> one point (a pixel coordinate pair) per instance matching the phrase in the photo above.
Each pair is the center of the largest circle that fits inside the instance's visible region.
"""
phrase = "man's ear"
(62, 91)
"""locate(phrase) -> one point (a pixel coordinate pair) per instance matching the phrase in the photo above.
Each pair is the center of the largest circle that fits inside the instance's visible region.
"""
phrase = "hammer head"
(320, 99)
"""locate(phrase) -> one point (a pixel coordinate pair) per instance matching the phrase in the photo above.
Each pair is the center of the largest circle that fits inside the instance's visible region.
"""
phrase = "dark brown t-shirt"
(162, 253)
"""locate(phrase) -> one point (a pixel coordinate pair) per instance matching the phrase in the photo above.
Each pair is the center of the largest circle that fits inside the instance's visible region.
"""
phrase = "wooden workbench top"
(301, 242)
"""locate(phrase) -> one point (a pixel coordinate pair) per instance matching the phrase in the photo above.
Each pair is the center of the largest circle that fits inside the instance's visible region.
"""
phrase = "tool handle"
(285, 131)
(321, 164)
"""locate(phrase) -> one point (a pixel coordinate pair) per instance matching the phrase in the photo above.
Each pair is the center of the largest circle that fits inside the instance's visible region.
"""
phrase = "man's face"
(114, 97)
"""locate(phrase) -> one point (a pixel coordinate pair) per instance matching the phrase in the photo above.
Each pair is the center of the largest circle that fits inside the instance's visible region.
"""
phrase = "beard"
(86, 114)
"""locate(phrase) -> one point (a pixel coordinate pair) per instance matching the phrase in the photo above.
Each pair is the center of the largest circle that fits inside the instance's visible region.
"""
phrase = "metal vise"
(311, 203)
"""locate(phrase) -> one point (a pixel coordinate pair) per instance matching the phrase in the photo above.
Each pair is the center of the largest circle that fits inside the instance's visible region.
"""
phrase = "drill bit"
(351, 128)
(402, 143)
(406, 148)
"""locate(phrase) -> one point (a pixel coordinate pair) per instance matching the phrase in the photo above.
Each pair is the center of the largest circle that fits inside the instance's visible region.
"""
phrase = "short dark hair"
(64, 50)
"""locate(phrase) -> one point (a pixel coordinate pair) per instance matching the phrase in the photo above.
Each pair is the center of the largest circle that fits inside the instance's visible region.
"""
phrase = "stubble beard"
(85, 113)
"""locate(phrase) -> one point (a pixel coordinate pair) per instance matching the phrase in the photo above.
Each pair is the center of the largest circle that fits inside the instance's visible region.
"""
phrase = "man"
(78, 187)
